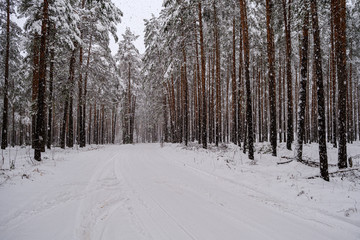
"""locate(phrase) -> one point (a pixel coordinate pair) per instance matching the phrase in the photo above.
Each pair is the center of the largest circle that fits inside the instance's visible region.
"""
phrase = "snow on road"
(147, 192)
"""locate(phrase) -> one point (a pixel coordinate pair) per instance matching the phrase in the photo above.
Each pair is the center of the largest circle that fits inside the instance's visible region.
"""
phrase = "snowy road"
(139, 192)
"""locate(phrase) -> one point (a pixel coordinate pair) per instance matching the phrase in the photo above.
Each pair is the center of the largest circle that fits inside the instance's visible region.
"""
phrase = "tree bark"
(234, 90)
(204, 110)
(290, 111)
(303, 83)
(218, 80)
(272, 86)
(40, 116)
(4, 130)
(320, 93)
(340, 49)
(244, 25)
(50, 103)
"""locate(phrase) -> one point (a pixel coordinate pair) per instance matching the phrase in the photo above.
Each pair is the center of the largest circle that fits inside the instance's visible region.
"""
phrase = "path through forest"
(143, 192)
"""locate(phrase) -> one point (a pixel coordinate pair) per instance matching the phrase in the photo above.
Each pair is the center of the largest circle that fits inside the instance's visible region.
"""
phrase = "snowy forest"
(257, 100)
(213, 72)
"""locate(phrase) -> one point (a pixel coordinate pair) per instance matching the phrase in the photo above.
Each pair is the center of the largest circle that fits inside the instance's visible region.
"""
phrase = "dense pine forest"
(214, 72)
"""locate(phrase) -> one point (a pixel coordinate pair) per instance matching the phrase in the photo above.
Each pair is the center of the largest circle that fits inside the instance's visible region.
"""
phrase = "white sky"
(135, 11)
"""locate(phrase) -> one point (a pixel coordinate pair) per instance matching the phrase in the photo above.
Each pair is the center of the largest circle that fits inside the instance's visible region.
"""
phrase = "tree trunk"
(70, 142)
(340, 49)
(333, 75)
(272, 87)
(4, 130)
(35, 86)
(50, 103)
(240, 94)
(81, 126)
(303, 83)
(40, 116)
(244, 25)
(234, 90)
(320, 93)
(204, 110)
(185, 97)
(290, 112)
(218, 80)
(85, 91)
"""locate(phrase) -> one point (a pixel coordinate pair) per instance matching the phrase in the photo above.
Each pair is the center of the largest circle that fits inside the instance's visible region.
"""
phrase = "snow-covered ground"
(147, 191)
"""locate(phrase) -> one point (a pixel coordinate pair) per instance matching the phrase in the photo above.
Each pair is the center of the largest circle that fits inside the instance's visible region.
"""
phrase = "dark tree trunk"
(290, 112)
(81, 126)
(204, 110)
(240, 92)
(64, 123)
(272, 86)
(70, 142)
(244, 24)
(333, 75)
(234, 90)
(50, 103)
(4, 129)
(320, 93)
(35, 86)
(340, 49)
(218, 81)
(303, 83)
(185, 90)
(165, 123)
(85, 92)
(40, 116)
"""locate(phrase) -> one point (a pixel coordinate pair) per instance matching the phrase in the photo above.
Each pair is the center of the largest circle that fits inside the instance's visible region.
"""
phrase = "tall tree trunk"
(320, 93)
(35, 86)
(81, 126)
(244, 25)
(279, 97)
(70, 138)
(340, 49)
(50, 103)
(165, 123)
(240, 94)
(40, 116)
(234, 90)
(218, 80)
(64, 122)
(204, 110)
(333, 75)
(185, 97)
(272, 87)
(85, 90)
(4, 129)
(290, 112)
(303, 83)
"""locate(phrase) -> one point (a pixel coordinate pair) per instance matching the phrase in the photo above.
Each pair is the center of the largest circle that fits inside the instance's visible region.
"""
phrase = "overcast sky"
(135, 11)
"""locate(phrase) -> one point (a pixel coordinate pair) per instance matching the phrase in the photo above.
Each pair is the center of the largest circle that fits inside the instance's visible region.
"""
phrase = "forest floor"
(148, 191)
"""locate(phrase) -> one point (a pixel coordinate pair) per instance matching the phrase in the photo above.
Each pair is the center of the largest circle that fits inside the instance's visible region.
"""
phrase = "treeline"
(62, 86)
(265, 71)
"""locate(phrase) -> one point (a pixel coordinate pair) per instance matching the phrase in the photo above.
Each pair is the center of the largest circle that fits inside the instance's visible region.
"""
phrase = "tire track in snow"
(103, 196)
(147, 206)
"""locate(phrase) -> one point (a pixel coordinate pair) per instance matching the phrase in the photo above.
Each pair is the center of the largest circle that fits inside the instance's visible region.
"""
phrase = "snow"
(146, 191)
